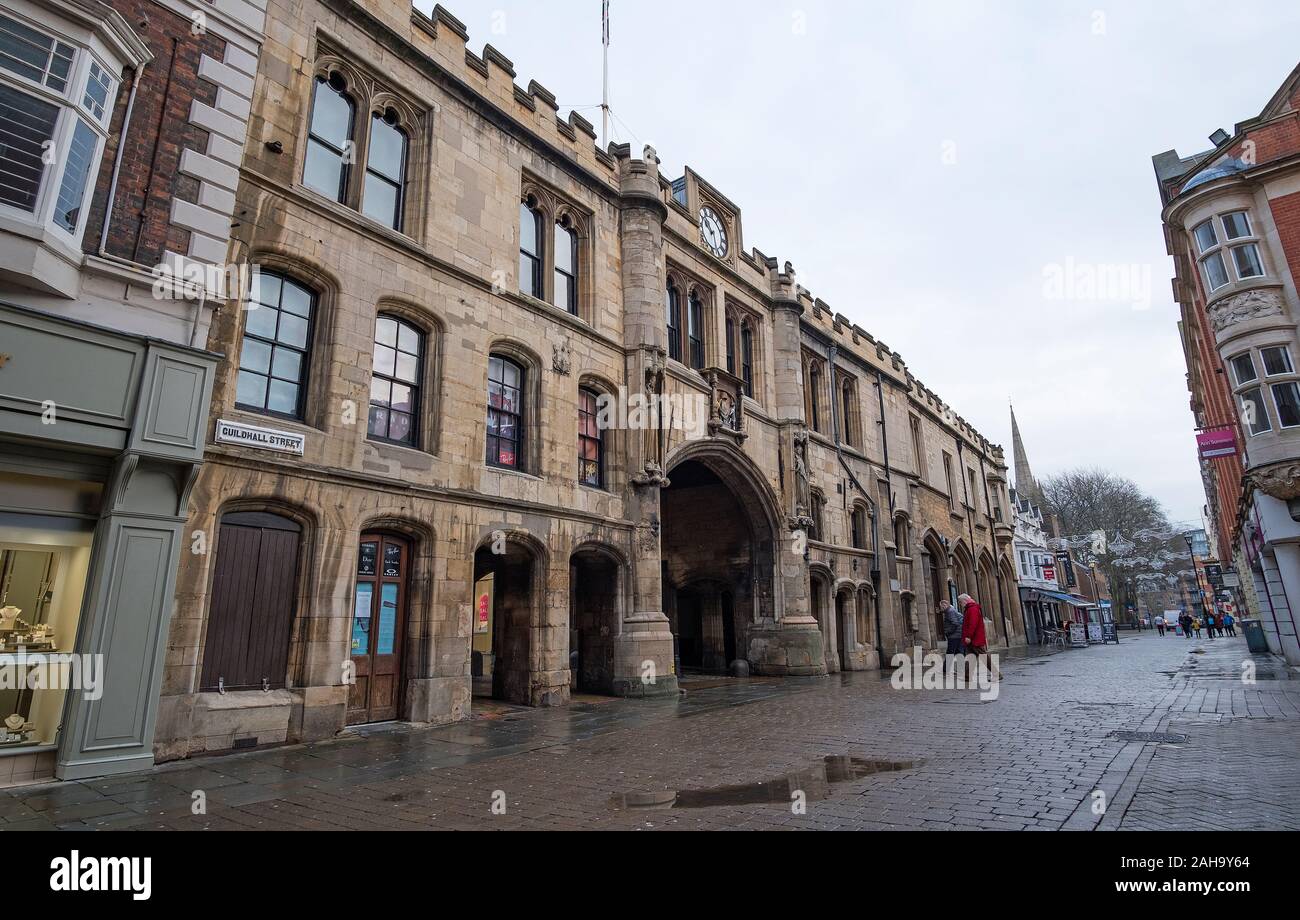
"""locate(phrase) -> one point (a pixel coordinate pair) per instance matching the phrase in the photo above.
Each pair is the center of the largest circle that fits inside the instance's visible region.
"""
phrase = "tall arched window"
(674, 309)
(385, 170)
(566, 266)
(530, 249)
(329, 140)
(506, 413)
(395, 384)
(900, 537)
(275, 348)
(695, 330)
(818, 517)
(747, 357)
(591, 440)
(848, 409)
(731, 345)
(814, 397)
(858, 528)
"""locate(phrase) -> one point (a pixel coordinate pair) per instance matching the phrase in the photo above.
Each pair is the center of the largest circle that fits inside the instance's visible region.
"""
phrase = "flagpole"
(604, 105)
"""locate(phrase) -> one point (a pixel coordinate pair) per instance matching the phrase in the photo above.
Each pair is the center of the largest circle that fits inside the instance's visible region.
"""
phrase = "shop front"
(101, 435)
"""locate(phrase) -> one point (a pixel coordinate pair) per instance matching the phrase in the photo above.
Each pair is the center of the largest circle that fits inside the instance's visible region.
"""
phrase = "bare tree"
(1108, 520)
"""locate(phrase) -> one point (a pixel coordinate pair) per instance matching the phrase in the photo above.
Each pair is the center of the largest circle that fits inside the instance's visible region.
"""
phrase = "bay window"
(1228, 249)
(56, 99)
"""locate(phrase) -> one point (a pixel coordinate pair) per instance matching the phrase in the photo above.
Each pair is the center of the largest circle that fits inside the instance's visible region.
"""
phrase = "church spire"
(1026, 485)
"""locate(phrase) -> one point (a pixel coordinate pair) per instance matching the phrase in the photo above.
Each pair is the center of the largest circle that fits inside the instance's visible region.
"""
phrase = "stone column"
(643, 659)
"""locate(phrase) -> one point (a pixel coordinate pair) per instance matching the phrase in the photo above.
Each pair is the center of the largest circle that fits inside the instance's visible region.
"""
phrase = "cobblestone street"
(866, 757)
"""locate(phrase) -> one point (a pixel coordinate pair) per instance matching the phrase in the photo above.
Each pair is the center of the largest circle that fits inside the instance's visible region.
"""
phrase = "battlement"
(445, 40)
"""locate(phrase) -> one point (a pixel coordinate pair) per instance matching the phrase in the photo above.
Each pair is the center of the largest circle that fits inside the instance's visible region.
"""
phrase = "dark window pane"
(23, 50)
(26, 124)
(1277, 361)
(1287, 397)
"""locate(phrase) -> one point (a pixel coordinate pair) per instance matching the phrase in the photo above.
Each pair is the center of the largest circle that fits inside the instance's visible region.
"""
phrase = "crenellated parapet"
(492, 75)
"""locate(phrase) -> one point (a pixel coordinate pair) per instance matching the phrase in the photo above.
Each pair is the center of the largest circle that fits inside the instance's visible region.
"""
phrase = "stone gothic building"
(413, 492)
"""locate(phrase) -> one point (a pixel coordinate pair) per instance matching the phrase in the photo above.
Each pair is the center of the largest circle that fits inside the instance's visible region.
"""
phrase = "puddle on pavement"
(816, 783)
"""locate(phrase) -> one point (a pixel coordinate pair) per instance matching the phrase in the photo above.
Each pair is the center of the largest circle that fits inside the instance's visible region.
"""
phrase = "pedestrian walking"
(952, 624)
(973, 634)
(1197, 627)
(1209, 624)
(1185, 621)
(1160, 626)
(1230, 624)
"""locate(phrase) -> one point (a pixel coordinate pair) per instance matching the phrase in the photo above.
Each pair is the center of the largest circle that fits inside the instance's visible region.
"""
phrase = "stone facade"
(725, 530)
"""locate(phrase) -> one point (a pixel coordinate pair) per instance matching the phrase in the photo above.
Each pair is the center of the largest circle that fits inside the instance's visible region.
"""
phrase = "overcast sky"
(949, 175)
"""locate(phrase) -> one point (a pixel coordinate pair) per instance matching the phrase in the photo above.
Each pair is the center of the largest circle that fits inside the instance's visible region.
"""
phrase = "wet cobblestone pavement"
(731, 756)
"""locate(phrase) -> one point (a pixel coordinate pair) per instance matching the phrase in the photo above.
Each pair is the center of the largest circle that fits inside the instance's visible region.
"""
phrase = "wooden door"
(254, 595)
(378, 628)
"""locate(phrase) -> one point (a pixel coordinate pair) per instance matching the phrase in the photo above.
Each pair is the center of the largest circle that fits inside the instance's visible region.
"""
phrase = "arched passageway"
(508, 594)
(718, 551)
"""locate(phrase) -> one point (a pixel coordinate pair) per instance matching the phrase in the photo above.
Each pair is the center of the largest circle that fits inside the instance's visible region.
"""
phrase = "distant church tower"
(1026, 485)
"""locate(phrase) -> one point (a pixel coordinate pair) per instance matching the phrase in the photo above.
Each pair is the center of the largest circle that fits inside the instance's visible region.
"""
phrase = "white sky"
(924, 163)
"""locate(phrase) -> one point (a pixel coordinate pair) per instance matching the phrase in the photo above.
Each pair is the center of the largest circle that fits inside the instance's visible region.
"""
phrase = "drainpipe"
(831, 353)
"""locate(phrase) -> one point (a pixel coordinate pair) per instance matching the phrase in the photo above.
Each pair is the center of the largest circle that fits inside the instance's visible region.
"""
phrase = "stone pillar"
(643, 659)
(549, 675)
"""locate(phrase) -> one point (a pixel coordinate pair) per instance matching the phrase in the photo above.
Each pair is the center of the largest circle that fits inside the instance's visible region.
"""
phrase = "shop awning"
(1067, 599)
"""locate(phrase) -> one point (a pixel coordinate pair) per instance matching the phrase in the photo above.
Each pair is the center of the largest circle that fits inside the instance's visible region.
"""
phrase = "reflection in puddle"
(815, 784)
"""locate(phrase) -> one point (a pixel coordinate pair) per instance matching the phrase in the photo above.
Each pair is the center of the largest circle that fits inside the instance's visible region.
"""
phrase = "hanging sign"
(1221, 443)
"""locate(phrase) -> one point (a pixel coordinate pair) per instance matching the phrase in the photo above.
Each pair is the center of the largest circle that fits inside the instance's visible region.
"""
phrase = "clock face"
(713, 232)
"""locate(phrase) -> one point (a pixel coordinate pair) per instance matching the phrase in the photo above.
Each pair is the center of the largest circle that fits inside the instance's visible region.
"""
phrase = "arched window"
(506, 413)
(695, 331)
(395, 384)
(566, 266)
(329, 140)
(900, 537)
(674, 309)
(591, 440)
(530, 249)
(731, 345)
(385, 170)
(858, 527)
(747, 357)
(814, 396)
(276, 346)
(818, 523)
(849, 408)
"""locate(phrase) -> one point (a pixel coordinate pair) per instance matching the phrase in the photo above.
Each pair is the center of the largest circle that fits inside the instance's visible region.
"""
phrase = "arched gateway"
(726, 594)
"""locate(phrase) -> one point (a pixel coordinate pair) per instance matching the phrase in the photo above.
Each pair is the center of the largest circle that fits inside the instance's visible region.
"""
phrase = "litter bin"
(1254, 631)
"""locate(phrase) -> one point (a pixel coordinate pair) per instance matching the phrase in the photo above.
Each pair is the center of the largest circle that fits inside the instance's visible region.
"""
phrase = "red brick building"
(122, 126)
(1232, 224)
